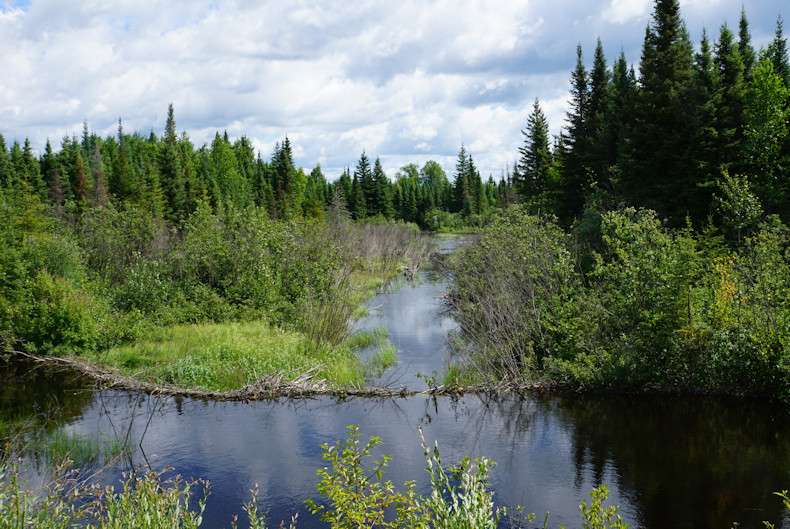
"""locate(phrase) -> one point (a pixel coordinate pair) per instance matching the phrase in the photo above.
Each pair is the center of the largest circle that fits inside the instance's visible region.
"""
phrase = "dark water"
(669, 461)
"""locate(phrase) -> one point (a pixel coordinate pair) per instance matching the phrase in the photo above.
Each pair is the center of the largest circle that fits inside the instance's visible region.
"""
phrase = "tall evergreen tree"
(462, 200)
(5, 165)
(745, 46)
(576, 139)
(363, 174)
(777, 53)
(661, 141)
(171, 171)
(704, 96)
(618, 119)
(729, 99)
(535, 156)
(100, 195)
(382, 189)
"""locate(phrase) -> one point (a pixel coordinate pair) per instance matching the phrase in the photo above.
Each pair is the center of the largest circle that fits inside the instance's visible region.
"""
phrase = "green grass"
(384, 355)
(226, 356)
(81, 449)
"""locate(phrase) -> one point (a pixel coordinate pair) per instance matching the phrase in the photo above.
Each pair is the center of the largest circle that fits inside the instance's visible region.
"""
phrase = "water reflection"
(710, 461)
(670, 462)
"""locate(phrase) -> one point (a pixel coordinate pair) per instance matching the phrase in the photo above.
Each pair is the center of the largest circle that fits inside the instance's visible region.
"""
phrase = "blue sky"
(406, 81)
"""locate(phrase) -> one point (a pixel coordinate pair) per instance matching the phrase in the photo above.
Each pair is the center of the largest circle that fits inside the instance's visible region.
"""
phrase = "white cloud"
(408, 81)
(625, 11)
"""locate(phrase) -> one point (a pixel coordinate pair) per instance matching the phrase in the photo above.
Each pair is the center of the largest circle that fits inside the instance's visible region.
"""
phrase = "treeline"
(652, 248)
(170, 178)
(666, 139)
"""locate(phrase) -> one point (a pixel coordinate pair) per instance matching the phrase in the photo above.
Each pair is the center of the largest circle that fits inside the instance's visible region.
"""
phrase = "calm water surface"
(669, 461)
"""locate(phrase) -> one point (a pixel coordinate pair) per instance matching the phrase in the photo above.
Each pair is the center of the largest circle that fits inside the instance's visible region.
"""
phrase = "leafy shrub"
(61, 317)
(512, 289)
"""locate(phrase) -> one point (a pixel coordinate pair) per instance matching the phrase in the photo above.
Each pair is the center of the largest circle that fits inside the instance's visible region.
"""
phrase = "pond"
(668, 461)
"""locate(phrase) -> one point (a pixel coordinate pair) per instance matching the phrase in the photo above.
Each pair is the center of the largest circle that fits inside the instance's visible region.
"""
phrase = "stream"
(684, 462)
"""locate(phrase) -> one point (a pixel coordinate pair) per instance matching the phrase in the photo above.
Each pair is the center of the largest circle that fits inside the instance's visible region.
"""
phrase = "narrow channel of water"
(699, 462)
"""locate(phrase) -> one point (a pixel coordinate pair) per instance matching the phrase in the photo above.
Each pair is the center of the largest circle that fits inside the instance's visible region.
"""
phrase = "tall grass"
(81, 450)
(226, 356)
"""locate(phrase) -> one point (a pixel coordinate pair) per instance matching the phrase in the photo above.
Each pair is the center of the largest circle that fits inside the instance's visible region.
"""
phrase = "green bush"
(512, 291)
(60, 317)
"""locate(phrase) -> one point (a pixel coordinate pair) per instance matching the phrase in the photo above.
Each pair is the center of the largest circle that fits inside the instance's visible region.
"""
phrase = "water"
(418, 325)
(669, 461)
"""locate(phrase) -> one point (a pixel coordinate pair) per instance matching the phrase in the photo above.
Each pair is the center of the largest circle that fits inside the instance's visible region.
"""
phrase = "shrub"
(513, 287)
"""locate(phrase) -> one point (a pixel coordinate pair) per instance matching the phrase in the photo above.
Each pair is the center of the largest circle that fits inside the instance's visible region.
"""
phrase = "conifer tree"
(729, 99)
(79, 184)
(462, 201)
(745, 46)
(100, 195)
(777, 53)
(598, 107)
(535, 157)
(123, 184)
(618, 119)
(704, 95)
(364, 176)
(382, 189)
(171, 171)
(661, 149)
(5, 165)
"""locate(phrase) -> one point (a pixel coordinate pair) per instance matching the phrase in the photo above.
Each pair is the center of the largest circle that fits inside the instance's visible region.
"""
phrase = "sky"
(405, 81)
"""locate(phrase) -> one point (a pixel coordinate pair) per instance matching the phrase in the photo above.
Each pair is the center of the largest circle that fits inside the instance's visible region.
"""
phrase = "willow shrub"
(514, 288)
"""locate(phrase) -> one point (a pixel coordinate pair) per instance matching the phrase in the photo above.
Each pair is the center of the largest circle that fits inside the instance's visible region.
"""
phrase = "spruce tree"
(171, 171)
(535, 157)
(382, 189)
(729, 99)
(661, 153)
(462, 201)
(745, 46)
(704, 96)
(777, 53)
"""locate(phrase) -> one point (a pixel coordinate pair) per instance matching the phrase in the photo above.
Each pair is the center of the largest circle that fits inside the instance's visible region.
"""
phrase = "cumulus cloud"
(407, 81)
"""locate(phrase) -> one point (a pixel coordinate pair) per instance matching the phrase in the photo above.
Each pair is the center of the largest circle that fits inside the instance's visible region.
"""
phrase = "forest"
(646, 246)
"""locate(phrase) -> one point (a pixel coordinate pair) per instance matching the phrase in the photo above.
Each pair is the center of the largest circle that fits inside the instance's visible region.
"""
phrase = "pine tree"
(171, 171)
(461, 199)
(358, 205)
(704, 95)
(535, 157)
(619, 117)
(729, 99)
(745, 46)
(79, 184)
(777, 54)
(364, 176)
(100, 195)
(123, 184)
(32, 170)
(598, 107)
(383, 192)
(661, 153)
(5, 165)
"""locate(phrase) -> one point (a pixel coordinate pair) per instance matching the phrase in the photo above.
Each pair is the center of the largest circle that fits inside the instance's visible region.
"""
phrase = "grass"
(224, 356)
(383, 356)
(81, 449)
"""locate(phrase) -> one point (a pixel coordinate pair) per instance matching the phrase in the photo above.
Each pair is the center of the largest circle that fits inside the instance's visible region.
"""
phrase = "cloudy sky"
(407, 81)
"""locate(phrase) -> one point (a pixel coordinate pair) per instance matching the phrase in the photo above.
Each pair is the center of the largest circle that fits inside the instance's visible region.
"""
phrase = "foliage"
(360, 498)
(596, 516)
(146, 500)
(510, 291)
